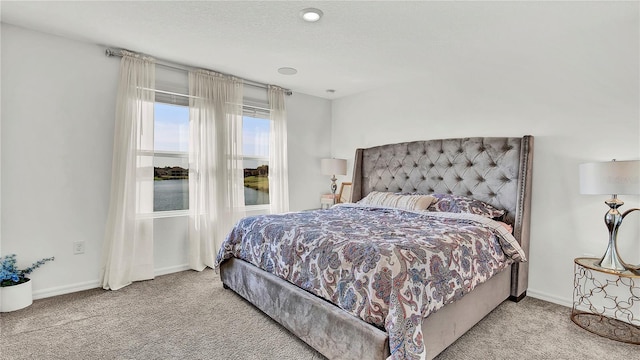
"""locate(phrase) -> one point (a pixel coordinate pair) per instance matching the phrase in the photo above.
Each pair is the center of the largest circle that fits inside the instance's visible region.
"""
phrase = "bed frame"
(496, 170)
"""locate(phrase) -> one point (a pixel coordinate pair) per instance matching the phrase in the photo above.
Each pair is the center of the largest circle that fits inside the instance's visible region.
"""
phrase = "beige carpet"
(188, 315)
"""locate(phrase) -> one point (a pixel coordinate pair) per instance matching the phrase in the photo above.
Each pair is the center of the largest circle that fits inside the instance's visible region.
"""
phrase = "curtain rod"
(118, 53)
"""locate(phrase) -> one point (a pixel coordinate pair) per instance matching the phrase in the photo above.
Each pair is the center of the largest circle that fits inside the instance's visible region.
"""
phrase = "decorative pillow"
(507, 227)
(463, 204)
(388, 199)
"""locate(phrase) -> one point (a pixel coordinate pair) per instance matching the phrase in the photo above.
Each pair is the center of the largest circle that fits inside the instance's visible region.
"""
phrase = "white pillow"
(399, 201)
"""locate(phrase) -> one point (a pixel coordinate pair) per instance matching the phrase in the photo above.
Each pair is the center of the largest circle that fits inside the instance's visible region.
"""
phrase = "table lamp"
(614, 178)
(333, 167)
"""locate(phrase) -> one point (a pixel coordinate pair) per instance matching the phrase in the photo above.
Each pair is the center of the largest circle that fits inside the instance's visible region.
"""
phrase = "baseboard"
(171, 269)
(65, 289)
(88, 285)
(550, 298)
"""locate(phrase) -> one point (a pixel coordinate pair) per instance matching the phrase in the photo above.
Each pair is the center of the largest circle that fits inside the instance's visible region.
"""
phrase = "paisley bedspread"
(389, 267)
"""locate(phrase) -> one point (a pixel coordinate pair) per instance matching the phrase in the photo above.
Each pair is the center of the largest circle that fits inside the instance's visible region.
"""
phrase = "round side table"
(606, 302)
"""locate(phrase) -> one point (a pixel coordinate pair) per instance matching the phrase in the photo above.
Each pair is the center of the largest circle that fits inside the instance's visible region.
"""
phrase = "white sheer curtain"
(216, 190)
(278, 163)
(128, 244)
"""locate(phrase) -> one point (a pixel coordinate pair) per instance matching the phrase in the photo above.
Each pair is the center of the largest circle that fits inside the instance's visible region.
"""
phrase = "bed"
(492, 170)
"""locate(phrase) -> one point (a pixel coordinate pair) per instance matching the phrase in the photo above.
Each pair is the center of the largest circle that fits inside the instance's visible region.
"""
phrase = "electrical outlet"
(78, 247)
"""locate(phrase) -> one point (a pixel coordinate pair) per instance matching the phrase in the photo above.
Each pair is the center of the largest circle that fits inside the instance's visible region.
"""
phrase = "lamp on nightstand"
(614, 178)
(333, 167)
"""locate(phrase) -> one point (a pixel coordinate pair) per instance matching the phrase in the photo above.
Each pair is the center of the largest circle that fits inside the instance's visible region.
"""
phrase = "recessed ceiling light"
(311, 14)
(287, 71)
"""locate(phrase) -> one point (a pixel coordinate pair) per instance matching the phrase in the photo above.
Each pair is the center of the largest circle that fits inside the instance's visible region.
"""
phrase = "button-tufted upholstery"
(496, 170)
(486, 169)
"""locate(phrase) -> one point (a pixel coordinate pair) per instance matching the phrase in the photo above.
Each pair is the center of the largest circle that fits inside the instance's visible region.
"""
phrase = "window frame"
(174, 96)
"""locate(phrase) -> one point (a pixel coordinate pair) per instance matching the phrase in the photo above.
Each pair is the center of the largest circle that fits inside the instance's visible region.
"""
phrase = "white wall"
(574, 87)
(58, 104)
(57, 132)
(309, 140)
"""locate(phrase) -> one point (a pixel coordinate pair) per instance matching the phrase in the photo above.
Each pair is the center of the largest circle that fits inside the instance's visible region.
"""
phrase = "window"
(170, 157)
(171, 151)
(255, 151)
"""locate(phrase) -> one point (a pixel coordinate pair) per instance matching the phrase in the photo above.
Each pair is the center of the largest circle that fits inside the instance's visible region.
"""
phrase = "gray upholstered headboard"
(496, 170)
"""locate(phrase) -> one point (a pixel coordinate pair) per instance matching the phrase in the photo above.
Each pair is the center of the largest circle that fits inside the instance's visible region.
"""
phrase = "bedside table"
(605, 302)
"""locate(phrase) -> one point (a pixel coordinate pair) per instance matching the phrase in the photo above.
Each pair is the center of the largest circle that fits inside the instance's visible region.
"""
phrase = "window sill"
(250, 209)
(164, 214)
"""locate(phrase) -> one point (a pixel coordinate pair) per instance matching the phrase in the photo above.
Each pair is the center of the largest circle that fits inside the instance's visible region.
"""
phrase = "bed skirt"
(317, 322)
(325, 327)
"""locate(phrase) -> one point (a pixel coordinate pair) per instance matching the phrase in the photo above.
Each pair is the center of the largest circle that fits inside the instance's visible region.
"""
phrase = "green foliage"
(260, 183)
(9, 273)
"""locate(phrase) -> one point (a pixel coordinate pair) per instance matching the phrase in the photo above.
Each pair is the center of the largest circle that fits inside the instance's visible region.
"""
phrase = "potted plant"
(15, 286)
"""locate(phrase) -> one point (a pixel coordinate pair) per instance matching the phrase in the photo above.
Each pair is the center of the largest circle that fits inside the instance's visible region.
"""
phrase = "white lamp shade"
(333, 166)
(612, 177)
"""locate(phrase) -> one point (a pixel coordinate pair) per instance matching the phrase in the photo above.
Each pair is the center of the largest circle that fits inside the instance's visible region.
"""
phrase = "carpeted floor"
(188, 315)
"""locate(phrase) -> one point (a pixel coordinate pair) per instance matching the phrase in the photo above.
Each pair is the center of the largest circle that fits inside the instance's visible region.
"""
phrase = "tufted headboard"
(496, 170)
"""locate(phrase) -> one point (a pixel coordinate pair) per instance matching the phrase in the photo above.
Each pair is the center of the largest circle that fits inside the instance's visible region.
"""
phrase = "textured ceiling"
(357, 45)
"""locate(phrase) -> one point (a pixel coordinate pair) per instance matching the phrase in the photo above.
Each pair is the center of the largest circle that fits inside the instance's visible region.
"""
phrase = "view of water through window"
(171, 195)
(171, 159)
(255, 148)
